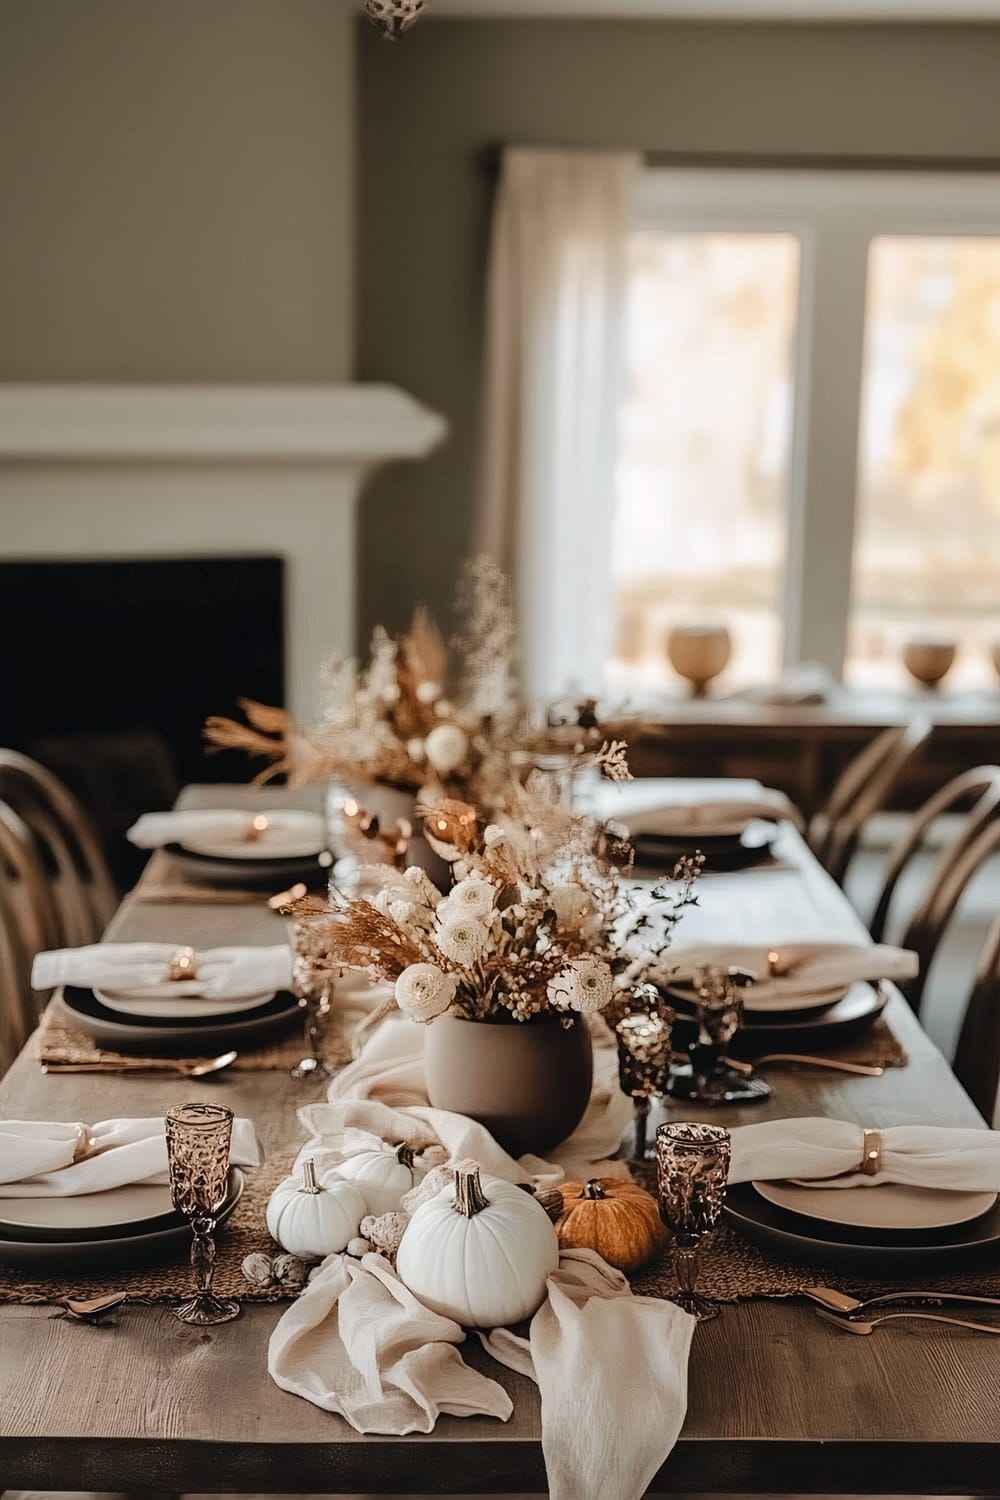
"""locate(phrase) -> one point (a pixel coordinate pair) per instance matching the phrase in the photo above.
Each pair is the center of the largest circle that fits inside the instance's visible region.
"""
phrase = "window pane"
(700, 525)
(927, 541)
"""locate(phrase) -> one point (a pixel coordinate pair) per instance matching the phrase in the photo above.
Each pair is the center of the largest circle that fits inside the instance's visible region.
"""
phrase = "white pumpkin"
(480, 1252)
(313, 1218)
(383, 1175)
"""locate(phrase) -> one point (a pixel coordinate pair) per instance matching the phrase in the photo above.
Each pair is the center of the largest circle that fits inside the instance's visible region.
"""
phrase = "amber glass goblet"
(198, 1137)
(643, 1064)
(692, 1169)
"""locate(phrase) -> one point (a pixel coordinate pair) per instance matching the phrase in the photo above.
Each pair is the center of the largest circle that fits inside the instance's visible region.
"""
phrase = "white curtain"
(554, 325)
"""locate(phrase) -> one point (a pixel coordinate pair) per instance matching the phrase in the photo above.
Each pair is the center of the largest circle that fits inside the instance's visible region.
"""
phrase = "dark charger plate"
(156, 1035)
(217, 869)
(796, 1031)
(870, 1252)
(728, 851)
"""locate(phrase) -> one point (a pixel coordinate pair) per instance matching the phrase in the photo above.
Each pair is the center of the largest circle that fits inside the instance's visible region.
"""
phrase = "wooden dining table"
(779, 1401)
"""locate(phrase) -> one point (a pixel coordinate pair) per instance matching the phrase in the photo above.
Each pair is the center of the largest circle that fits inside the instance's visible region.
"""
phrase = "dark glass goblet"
(198, 1137)
(708, 1079)
(644, 1063)
(692, 1169)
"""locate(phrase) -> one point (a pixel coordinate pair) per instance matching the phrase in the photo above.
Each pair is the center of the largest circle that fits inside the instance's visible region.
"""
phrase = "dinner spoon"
(206, 1069)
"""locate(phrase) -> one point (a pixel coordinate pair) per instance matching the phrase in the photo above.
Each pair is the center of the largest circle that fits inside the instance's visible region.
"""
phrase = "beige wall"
(431, 107)
(176, 195)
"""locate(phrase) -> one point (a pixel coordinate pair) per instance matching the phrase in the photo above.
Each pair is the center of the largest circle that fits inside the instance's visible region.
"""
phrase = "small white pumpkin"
(383, 1174)
(313, 1218)
(480, 1252)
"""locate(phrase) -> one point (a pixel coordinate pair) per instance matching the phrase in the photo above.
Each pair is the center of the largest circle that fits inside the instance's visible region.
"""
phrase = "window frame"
(834, 214)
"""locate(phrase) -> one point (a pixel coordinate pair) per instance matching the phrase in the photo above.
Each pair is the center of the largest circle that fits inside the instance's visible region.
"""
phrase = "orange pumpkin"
(617, 1219)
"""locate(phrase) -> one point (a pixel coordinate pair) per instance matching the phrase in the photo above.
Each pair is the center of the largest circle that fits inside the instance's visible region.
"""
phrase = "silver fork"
(849, 1307)
(855, 1325)
(167, 1069)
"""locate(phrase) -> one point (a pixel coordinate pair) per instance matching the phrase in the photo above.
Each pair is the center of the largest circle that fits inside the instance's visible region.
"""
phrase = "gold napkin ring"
(871, 1153)
(182, 965)
(84, 1143)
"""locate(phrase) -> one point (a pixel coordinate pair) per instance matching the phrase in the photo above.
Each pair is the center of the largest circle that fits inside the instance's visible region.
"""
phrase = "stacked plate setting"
(98, 1231)
(291, 846)
(189, 1026)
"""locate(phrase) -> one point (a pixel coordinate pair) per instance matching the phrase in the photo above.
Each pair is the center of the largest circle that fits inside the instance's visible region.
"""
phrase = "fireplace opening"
(111, 668)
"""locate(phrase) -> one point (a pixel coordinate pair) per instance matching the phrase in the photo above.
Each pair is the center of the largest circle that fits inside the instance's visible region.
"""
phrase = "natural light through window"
(705, 444)
(927, 538)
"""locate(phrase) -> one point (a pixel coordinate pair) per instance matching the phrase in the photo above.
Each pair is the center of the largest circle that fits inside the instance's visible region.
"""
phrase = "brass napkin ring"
(871, 1153)
(182, 965)
(84, 1143)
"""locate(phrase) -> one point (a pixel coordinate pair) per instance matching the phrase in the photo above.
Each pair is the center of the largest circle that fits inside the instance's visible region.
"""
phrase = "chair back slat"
(929, 923)
(863, 790)
(977, 1056)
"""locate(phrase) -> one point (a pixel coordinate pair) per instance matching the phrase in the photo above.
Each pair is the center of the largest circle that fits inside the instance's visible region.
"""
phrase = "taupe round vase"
(528, 1082)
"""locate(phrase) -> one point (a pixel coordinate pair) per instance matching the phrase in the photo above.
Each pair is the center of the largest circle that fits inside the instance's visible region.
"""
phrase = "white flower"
(471, 897)
(424, 991)
(416, 751)
(428, 692)
(586, 985)
(462, 939)
(574, 907)
(446, 748)
(493, 835)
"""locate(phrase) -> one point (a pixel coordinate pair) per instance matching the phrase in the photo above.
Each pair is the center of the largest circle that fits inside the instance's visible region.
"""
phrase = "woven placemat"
(57, 1040)
(169, 1280)
(878, 1047)
(167, 879)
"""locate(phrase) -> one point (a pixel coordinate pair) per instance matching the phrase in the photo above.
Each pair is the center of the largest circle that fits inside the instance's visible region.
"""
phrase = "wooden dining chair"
(17, 1006)
(981, 785)
(862, 790)
(928, 925)
(977, 1055)
(82, 894)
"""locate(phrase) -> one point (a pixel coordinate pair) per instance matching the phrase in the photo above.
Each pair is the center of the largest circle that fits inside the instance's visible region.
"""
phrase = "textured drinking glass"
(719, 1009)
(198, 1138)
(692, 1168)
(312, 985)
(643, 1064)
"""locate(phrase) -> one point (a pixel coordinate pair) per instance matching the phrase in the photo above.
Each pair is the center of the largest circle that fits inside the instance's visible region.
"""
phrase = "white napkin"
(153, 830)
(678, 807)
(141, 969)
(806, 967)
(390, 1072)
(611, 1369)
(823, 1153)
(359, 1344)
(37, 1156)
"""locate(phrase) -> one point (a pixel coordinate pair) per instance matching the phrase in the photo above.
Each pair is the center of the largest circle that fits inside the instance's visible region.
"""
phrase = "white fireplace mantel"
(119, 472)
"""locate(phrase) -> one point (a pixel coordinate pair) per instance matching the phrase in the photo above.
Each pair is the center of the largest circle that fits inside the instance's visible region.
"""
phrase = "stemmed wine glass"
(644, 1063)
(312, 984)
(708, 1079)
(198, 1138)
(692, 1168)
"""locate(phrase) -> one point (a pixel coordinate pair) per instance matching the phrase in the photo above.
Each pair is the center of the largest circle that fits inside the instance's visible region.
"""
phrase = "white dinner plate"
(288, 835)
(180, 1007)
(892, 1206)
(115, 1210)
(772, 1000)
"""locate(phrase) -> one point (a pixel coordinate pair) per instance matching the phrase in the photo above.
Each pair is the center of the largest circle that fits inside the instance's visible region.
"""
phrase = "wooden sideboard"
(803, 748)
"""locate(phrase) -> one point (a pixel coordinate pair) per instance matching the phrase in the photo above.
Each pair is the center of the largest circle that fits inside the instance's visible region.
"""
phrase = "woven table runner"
(169, 1280)
(57, 1040)
(167, 879)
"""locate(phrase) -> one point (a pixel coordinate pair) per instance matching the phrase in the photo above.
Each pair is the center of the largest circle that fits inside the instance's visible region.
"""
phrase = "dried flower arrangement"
(393, 721)
(539, 920)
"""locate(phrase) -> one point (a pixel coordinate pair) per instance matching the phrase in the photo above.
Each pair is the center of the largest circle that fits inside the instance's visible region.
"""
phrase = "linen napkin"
(358, 1343)
(52, 1159)
(611, 1369)
(153, 830)
(800, 970)
(141, 969)
(668, 807)
(390, 1072)
(824, 1153)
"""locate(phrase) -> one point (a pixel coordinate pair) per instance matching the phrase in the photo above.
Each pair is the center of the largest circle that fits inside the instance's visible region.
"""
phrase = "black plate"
(870, 1251)
(156, 1035)
(796, 1031)
(218, 869)
(725, 851)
